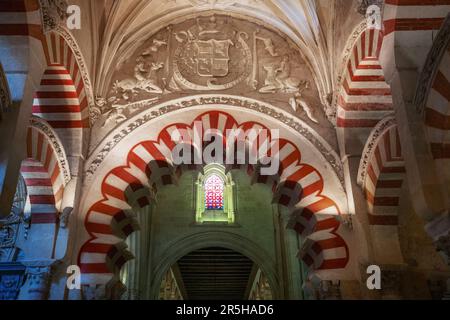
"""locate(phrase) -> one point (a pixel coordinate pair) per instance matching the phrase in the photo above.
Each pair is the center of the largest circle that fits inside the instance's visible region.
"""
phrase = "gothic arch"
(132, 183)
(181, 247)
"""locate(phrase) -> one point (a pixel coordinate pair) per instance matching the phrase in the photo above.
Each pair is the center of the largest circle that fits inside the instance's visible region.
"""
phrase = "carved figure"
(143, 80)
(154, 47)
(298, 100)
(115, 115)
(268, 45)
(278, 78)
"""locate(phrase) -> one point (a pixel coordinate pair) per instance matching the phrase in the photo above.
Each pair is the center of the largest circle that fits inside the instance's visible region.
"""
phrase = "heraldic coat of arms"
(211, 55)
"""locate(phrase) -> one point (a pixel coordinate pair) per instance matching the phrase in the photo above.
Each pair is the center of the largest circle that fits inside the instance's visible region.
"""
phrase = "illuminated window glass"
(214, 187)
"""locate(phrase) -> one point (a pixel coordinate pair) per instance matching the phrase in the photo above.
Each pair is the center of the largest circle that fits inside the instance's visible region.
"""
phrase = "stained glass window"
(214, 186)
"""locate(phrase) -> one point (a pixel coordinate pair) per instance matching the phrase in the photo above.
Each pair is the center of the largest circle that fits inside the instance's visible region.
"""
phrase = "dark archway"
(215, 273)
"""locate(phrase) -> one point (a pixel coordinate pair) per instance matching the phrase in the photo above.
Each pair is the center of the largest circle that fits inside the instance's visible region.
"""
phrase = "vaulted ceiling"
(123, 26)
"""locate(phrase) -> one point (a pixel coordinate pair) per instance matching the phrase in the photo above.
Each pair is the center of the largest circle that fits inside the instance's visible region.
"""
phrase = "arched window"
(214, 195)
(213, 190)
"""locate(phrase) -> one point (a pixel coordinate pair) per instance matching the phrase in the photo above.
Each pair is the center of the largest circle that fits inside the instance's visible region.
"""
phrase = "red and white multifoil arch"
(297, 185)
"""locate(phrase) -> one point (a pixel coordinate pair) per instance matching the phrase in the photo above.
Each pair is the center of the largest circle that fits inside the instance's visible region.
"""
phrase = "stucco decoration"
(53, 13)
(346, 56)
(152, 112)
(213, 53)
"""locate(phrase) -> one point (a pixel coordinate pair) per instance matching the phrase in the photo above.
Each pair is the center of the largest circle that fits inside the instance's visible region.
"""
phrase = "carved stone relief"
(212, 53)
(365, 4)
(53, 13)
(99, 155)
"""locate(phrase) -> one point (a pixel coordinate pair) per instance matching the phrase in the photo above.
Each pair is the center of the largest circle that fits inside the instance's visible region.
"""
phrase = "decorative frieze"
(209, 100)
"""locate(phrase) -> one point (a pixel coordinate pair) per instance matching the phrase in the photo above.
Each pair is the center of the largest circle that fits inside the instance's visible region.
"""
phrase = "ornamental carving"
(53, 13)
(211, 53)
(440, 45)
(99, 155)
(365, 4)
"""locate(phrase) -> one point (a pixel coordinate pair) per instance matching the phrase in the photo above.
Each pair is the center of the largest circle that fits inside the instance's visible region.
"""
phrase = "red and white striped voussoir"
(321, 251)
(414, 15)
(437, 111)
(384, 179)
(46, 166)
(61, 54)
(40, 192)
(56, 101)
(109, 220)
(365, 96)
(314, 213)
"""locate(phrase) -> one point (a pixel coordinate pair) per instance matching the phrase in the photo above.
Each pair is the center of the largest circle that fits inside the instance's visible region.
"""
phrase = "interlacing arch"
(149, 165)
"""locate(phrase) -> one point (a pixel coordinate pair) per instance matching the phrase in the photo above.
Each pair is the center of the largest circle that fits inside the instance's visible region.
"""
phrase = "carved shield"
(212, 57)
